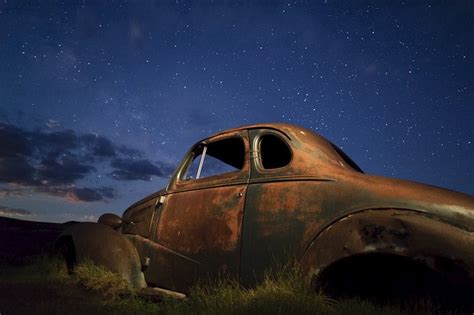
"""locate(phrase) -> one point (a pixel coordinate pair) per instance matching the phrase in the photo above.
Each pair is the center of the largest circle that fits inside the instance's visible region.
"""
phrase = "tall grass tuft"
(282, 292)
(100, 280)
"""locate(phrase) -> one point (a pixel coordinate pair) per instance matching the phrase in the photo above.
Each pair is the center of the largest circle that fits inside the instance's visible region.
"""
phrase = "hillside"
(21, 240)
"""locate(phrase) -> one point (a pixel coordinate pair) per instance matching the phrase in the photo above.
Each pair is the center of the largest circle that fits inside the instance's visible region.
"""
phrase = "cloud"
(100, 146)
(52, 142)
(89, 218)
(13, 142)
(16, 142)
(79, 194)
(6, 191)
(52, 124)
(89, 194)
(62, 170)
(129, 169)
(16, 170)
(14, 212)
(53, 162)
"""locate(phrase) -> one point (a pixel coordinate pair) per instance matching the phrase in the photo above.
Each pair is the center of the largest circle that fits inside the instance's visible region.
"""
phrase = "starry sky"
(99, 100)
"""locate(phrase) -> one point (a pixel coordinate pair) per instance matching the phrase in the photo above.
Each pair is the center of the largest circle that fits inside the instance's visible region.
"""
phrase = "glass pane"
(275, 153)
(213, 166)
(221, 157)
(192, 170)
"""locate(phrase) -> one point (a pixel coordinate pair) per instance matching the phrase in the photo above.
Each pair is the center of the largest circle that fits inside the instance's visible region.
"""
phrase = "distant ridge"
(21, 240)
(9, 221)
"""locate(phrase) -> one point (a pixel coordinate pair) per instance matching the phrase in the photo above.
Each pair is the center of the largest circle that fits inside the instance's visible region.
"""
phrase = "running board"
(156, 293)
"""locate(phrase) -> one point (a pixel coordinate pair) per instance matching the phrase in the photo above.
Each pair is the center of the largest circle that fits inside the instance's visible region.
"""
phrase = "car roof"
(287, 129)
(293, 131)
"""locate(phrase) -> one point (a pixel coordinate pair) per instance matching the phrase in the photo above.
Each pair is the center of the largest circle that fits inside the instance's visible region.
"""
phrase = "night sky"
(99, 100)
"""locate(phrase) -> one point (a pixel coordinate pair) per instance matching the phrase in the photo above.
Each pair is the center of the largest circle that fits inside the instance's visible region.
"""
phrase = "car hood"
(129, 213)
(374, 192)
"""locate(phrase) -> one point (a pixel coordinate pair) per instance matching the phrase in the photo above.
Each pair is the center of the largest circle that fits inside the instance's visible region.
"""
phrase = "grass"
(45, 288)
(283, 292)
(101, 281)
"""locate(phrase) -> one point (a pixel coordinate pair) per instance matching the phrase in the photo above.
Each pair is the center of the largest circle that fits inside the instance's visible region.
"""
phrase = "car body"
(249, 198)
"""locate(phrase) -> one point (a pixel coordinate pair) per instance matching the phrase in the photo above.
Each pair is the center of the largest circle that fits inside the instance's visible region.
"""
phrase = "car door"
(280, 205)
(199, 227)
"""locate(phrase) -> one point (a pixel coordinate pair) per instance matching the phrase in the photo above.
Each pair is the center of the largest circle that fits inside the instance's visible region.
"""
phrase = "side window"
(217, 158)
(274, 152)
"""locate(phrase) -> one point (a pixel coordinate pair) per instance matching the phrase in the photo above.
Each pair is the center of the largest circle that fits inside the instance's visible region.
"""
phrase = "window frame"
(178, 183)
(203, 156)
(258, 157)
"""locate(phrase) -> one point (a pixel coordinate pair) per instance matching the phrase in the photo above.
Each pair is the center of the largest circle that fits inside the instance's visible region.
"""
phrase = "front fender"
(105, 247)
(435, 243)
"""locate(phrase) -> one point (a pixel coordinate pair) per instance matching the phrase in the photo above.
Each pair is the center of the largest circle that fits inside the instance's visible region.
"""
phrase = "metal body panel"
(282, 217)
(204, 225)
(140, 219)
(166, 268)
(440, 246)
(106, 247)
(200, 221)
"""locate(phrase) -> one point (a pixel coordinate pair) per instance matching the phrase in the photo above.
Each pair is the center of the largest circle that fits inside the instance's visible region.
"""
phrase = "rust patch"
(396, 232)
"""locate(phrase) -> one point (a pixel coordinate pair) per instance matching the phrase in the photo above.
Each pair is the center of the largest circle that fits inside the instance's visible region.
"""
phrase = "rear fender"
(104, 247)
(438, 245)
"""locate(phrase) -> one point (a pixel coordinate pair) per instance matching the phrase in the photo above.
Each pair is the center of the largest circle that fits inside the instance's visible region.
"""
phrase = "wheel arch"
(103, 246)
(391, 235)
(64, 246)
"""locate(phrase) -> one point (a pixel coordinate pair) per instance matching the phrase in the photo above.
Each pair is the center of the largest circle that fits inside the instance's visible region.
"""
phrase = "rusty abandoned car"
(247, 198)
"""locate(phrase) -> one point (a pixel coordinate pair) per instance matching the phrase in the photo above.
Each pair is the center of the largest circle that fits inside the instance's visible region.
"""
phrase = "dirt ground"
(45, 298)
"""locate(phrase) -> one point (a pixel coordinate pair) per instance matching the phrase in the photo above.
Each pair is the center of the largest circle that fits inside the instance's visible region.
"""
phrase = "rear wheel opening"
(64, 248)
(391, 279)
